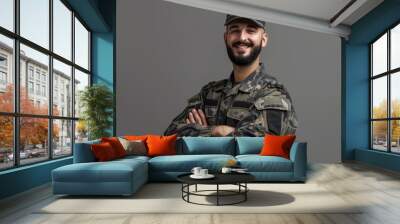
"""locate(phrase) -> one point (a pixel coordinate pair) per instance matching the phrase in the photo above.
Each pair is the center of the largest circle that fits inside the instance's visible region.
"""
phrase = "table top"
(220, 178)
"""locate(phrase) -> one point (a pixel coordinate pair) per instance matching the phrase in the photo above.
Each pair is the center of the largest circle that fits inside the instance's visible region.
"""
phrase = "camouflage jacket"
(255, 106)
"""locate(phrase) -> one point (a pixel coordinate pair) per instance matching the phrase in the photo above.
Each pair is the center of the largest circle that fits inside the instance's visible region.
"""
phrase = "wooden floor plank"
(377, 190)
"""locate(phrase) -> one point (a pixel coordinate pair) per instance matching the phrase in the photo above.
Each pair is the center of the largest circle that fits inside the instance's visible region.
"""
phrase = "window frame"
(16, 115)
(388, 74)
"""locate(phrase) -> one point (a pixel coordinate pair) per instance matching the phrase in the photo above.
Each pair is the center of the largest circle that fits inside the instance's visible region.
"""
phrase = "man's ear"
(224, 36)
(264, 39)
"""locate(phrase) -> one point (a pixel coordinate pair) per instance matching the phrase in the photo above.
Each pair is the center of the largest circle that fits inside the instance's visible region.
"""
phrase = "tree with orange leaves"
(33, 131)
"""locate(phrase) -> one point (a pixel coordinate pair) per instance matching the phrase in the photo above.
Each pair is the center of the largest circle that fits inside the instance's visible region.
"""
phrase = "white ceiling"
(320, 9)
(315, 15)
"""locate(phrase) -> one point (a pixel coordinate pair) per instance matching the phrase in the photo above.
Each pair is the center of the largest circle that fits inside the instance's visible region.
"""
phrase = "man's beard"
(243, 60)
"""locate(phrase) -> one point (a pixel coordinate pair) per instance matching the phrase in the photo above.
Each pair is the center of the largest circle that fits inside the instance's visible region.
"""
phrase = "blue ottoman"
(119, 177)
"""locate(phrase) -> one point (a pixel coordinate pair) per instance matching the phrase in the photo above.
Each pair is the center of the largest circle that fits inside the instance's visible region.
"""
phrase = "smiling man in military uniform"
(248, 103)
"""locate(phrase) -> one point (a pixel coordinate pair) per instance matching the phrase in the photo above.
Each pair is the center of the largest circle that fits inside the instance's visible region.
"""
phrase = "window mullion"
(16, 84)
(73, 83)
(371, 97)
(389, 106)
(50, 79)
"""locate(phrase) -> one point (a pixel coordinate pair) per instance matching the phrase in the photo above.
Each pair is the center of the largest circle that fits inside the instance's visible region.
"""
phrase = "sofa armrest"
(298, 155)
(83, 152)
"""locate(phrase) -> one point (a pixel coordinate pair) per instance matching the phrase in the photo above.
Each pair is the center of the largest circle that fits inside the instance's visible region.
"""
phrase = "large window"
(44, 64)
(385, 91)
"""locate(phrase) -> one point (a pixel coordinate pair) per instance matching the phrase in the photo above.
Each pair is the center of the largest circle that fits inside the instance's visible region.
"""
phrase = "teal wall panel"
(379, 159)
(24, 178)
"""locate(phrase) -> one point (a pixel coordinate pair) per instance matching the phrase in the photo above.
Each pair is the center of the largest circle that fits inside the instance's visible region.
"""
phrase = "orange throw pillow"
(161, 145)
(116, 145)
(135, 137)
(103, 151)
(277, 145)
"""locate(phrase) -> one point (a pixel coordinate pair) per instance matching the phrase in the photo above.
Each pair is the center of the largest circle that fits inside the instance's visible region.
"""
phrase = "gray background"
(167, 52)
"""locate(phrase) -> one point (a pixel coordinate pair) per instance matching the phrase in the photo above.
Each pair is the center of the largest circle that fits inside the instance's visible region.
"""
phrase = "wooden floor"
(351, 181)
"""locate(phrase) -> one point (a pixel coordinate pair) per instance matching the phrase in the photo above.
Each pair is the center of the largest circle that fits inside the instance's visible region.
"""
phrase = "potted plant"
(96, 102)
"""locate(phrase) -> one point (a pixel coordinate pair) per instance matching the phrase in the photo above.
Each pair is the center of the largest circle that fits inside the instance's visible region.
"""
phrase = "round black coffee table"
(238, 179)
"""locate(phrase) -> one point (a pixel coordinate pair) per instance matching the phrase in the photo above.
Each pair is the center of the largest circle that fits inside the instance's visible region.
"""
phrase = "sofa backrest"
(191, 146)
(206, 145)
(249, 145)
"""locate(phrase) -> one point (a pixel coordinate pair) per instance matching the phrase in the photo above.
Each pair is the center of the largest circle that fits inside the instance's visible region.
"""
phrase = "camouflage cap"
(230, 18)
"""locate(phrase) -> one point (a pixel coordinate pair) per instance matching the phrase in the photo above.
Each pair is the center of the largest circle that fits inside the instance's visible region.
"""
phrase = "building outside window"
(37, 75)
(55, 93)
(30, 87)
(3, 61)
(38, 89)
(3, 72)
(3, 78)
(30, 72)
(44, 77)
(43, 90)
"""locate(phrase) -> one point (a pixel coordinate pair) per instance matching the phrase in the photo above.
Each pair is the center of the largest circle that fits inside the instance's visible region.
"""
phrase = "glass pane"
(81, 131)
(33, 139)
(395, 132)
(379, 135)
(395, 94)
(6, 74)
(7, 14)
(379, 100)
(81, 81)
(62, 138)
(62, 28)
(34, 92)
(379, 55)
(35, 21)
(81, 45)
(6, 142)
(395, 47)
(62, 89)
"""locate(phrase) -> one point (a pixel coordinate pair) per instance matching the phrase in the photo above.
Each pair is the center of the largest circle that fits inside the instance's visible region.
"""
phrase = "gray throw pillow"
(135, 147)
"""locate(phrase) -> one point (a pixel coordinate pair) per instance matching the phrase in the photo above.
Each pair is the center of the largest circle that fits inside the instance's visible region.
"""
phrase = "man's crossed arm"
(197, 116)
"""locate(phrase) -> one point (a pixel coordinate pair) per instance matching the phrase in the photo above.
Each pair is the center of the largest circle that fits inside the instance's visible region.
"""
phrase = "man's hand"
(197, 117)
(222, 130)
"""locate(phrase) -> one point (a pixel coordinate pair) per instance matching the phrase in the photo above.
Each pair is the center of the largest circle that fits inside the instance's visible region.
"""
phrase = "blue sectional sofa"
(125, 176)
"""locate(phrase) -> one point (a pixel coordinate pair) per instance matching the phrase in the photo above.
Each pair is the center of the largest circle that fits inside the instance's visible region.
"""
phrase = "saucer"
(208, 176)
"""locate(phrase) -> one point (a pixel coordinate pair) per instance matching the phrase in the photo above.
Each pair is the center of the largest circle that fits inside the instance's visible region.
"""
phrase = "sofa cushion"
(257, 163)
(249, 145)
(111, 171)
(206, 145)
(116, 145)
(161, 145)
(134, 147)
(132, 158)
(103, 152)
(275, 145)
(185, 163)
(118, 177)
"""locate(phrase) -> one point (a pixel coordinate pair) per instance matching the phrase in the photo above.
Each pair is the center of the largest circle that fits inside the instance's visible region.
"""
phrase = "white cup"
(203, 172)
(196, 171)
(226, 170)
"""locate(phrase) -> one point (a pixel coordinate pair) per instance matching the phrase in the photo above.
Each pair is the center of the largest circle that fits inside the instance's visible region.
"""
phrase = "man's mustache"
(248, 44)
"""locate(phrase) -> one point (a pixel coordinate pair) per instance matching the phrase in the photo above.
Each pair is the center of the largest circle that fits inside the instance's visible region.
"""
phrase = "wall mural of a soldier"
(248, 103)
